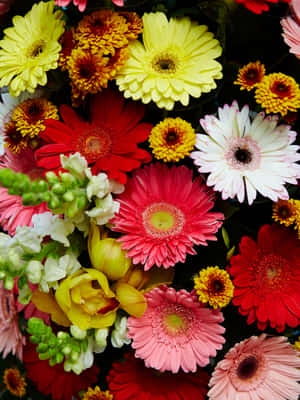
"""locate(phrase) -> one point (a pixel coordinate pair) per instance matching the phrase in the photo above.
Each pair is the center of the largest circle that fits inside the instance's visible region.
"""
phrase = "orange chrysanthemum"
(104, 29)
(278, 93)
(67, 43)
(135, 24)
(284, 212)
(29, 116)
(14, 141)
(14, 382)
(97, 394)
(250, 75)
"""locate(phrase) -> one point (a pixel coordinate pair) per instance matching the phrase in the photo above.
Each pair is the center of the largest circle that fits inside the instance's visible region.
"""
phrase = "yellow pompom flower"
(14, 382)
(213, 285)
(284, 212)
(172, 139)
(250, 75)
(175, 61)
(97, 394)
(30, 48)
(278, 93)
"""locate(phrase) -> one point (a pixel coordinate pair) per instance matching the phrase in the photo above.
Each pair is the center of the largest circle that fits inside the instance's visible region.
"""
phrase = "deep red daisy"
(55, 380)
(267, 278)
(108, 141)
(131, 380)
(258, 6)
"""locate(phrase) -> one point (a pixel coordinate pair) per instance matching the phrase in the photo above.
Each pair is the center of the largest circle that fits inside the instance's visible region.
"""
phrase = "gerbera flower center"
(86, 70)
(164, 63)
(284, 211)
(274, 270)
(171, 137)
(217, 286)
(175, 324)
(252, 74)
(162, 220)
(281, 89)
(36, 49)
(247, 368)
(94, 144)
(243, 154)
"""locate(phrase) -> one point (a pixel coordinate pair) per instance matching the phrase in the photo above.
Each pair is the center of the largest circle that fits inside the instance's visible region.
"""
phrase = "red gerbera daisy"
(267, 278)
(258, 6)
(108, 142)
(55, 380)
(131, 380)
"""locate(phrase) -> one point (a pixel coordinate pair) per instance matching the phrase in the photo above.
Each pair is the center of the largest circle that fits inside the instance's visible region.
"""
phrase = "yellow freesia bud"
(131, 300)
(107, 255)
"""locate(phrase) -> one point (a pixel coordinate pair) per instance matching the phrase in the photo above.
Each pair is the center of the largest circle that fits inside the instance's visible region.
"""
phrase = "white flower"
(242, 155)
(98, 186)
(75, 164)
(119, 334)
(104, 210)
(34, 271)
(28, 239)
(57, 228)
(101, 337)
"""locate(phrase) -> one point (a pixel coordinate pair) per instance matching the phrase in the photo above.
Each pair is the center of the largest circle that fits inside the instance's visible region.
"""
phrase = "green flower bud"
(7, 177)
(9, 283)
(68, 197)
(42, 348)
(74, 356)
(46, 196)
(29, 199)
(66, 350)
(68, 179)
(34, 271)
(63, 335)
(52, 361)
(36, 326)
(58, 188)
(2, 275)
(54, 202)
(81, 202)
(59, 358)
(42, 186)
(44, 356)
(51, 177)
(78, 333)
(34, 339)
(13, 259)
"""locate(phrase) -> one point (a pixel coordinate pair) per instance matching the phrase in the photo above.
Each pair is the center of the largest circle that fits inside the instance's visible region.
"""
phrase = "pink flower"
(163, 214)
(81, 4)
(176, 331)
(258, 368)
(12, 211)
(291, 29)
(11, 339)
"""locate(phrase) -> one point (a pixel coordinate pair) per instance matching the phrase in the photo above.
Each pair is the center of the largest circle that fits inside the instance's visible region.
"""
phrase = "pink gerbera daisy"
(12, 211)
(176, 331)
(81, 4)
(163, 213)
(291, 29)
(258, 368)
(11, 339)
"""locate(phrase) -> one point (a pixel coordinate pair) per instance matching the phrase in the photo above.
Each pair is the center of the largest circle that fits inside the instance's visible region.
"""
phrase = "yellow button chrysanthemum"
(175, 61)
(30, 48)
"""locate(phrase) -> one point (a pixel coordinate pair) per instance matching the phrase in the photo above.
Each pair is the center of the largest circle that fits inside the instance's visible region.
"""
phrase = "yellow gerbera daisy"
(278, 93)
(14, 382)
(172, 139)
(213, 285)
(284, 212)
(97, 394)
(176, 60)
(30, 48)
(29, 116)
(250, 75)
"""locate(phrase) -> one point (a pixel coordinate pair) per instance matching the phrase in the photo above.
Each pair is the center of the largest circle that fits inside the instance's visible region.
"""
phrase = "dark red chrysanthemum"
(131, 380)
(267, 278)
(258, 6)
(61, 385)
(108, 142)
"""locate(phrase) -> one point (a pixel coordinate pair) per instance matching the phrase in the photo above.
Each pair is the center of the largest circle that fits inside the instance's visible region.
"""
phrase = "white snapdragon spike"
(82, 222)
(47, 224)
(56, 269)
(28, 239)
(244, 156)
(34, 271)
(104, 210)
(119, 334)
(101, 339)
(75, 163)
(98, 186)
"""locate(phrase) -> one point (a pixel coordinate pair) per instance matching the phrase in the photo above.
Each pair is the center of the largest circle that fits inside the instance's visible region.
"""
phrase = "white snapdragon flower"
(27, 239)
(119, 334)
(104, 210)
(57, 228)
(75, 164)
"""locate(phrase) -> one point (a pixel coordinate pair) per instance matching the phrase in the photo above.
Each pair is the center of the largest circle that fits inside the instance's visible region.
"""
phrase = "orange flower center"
(272, 271)
(93, 144)
(281, 89)
(252, 75)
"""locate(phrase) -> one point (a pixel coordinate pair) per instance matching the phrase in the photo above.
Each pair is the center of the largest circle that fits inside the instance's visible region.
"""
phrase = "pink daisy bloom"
(258, 368)
(243, 155)
(176, 331)
(291, 29)
(11, 339)
(81, 4)
(12, 211)
(163, 214)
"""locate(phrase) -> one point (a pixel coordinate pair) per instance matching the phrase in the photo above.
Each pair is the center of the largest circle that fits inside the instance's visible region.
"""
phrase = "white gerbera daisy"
(244, 155)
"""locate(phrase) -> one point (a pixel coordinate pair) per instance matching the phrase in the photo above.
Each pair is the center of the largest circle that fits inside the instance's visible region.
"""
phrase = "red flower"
(258, 6)
(55, 380)
(108, 142)
(267, 278)
(131, 380)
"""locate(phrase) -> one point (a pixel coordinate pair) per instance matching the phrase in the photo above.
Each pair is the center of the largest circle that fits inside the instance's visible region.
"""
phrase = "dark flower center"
(243, 156)
(251, 74)
(284, 212)
(217, 286)
(35, 111)
(171, 137)
(281, 89)
(247, 368)
(164, 63)
(86, 71)
(37, 51)
(12, 381)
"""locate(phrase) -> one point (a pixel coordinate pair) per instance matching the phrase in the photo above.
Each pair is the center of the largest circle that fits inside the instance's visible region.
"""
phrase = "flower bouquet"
(149, 200)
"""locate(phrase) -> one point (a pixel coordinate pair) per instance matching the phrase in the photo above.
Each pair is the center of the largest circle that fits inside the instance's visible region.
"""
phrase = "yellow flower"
(87, 300)
(213, 285)
(29, 116)
(172, 139)
(14, 382)
(250, 75)
(284, 212)
(30, 48)
(278, 93)
(14, 141)
(97, 394)
(175, 61)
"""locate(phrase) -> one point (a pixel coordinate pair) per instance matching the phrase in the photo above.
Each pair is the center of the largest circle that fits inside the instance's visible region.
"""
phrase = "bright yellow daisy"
(175, 61)
(30, 48)
(284, 212)
(250, 75)
(97, 394)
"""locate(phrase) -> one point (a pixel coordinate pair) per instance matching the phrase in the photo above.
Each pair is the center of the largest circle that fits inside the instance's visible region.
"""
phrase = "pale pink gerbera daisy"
(243, 155)
(163, 213)
(291, 28)
(11, 339)
(176, 331)
(258, 368)
(81, 4)
(12, 211)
